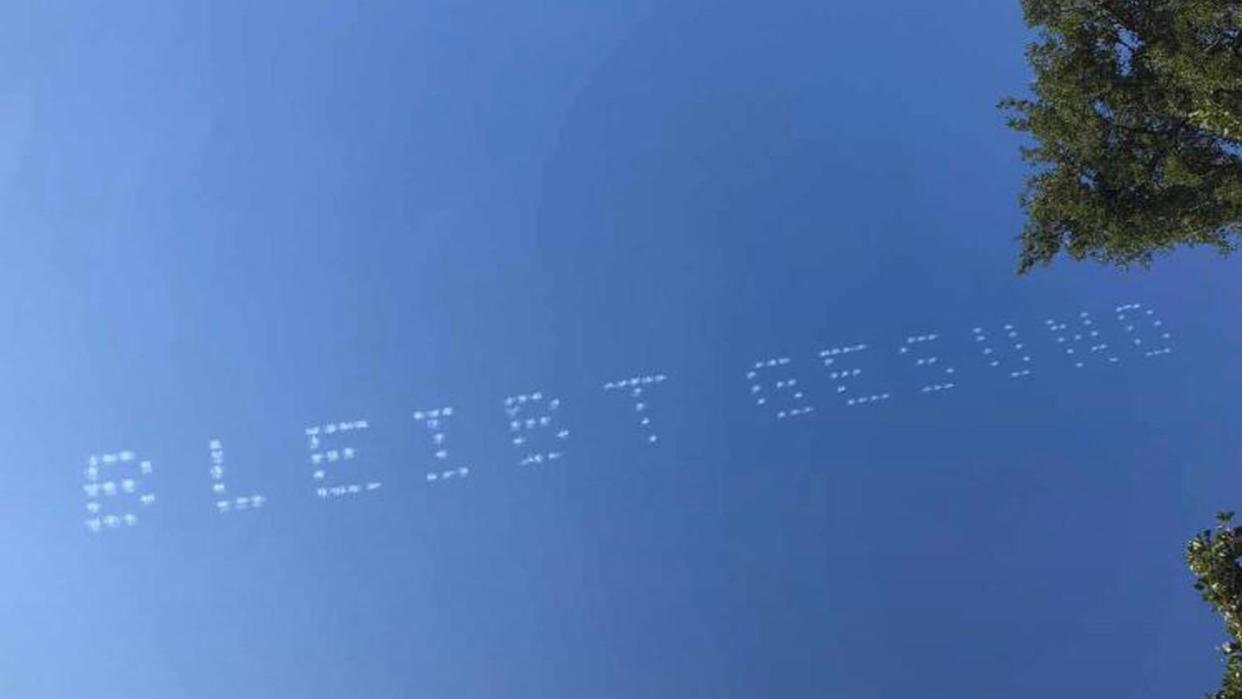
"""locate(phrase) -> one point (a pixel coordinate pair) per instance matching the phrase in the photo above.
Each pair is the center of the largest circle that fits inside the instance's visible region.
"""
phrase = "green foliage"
(1214, 561)
(1137, 118)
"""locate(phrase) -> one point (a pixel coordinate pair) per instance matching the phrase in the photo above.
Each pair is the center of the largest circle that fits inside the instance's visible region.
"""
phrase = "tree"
(1137, 118)
(1214, 561)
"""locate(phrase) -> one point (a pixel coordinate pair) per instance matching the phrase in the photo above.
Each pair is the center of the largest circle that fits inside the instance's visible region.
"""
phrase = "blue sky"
(229, 222)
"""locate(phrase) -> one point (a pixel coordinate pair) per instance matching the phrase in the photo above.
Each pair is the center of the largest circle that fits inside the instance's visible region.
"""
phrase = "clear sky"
(233, 221)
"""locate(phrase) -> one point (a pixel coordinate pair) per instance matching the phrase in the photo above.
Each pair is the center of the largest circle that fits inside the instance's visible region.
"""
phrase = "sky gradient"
(233, 222)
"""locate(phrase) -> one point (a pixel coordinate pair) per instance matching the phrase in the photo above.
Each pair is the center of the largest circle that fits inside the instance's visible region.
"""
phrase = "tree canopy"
(1137, 119)
(1213, 558)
